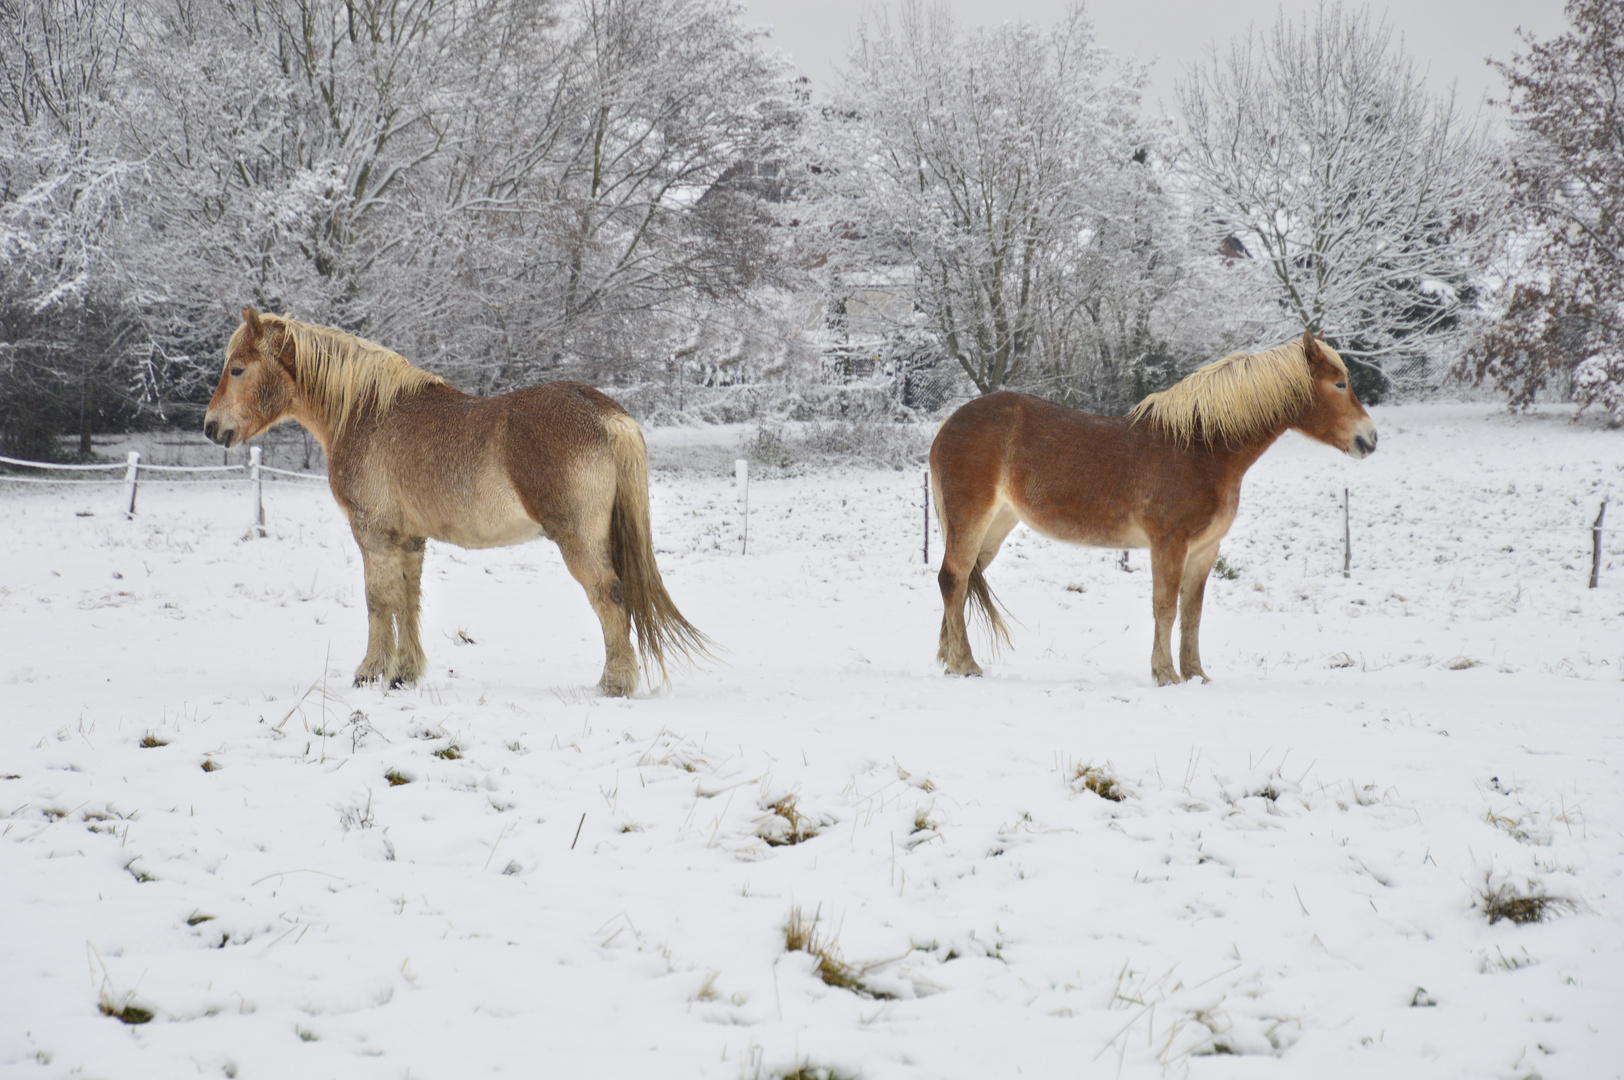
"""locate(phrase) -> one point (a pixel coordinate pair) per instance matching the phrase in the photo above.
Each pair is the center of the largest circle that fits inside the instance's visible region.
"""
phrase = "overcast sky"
(1449, 39)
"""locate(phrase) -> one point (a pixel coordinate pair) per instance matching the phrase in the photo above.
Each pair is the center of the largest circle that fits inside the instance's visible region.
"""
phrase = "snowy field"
(498, 872)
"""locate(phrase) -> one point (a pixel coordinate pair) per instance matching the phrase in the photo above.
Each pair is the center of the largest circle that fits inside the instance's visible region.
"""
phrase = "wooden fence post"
(1595, 545)
(132, 467)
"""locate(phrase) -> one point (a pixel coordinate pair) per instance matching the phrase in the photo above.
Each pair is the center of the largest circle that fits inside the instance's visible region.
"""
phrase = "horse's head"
(257, 389)
(1334, 416)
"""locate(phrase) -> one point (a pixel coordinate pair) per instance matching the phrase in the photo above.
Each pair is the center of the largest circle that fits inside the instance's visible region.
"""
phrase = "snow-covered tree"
(601, 188)
(1364, 205)
(66, 347)
(1561, 307)
(979, 172)
(504, 188)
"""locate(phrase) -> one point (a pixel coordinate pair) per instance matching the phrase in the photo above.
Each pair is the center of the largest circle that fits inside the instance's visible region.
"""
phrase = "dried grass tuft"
(152, 740)
(1503, 902)
(1099, 781)
(129, 1012)
(801, 827)
(801, 935)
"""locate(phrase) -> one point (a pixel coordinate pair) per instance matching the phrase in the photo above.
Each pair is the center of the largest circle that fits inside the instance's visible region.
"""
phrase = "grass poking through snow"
(1099, 781)
(801, 935)
(1503, 902)
(800, 827)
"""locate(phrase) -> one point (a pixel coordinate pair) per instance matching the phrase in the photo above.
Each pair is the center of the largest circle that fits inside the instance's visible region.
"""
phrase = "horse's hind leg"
(970, 542)
(998, 530)
(589, 563)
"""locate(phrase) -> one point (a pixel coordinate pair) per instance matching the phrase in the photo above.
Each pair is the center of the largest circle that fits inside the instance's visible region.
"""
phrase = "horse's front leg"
(1197, 567)
(1166, 571)
(387, 561)
(410, 662)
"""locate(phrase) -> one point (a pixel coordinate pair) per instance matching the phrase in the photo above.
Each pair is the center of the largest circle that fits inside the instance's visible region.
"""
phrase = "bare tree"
(972, 168)
(1364, 205)
(616, 212)
(1561, 305)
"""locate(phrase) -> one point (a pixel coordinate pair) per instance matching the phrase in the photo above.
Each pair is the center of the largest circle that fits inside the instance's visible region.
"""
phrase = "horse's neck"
(313, 419)
(1240, 458)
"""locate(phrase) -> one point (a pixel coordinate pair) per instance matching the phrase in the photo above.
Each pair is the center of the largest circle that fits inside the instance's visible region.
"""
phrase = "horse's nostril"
(211, 430)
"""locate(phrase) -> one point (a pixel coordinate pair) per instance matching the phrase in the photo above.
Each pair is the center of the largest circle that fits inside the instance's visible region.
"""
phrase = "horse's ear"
(1311, 347)
(250, 319)
(287, 354)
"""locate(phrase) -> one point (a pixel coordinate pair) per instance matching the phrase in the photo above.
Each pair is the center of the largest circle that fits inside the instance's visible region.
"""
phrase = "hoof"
(372, 670)
(618, 685)
(1166, 678)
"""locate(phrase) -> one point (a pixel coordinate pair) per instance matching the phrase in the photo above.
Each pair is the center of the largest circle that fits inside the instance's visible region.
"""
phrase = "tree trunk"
(87, 400)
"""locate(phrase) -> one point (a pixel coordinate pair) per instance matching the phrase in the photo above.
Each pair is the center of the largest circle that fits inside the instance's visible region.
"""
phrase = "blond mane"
(1236, 399)
(342, 372)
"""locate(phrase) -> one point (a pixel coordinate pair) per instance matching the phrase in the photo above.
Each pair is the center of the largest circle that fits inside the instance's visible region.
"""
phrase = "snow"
(1293, 885)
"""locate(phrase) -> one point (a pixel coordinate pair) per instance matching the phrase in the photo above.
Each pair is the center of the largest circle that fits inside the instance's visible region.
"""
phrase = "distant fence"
(133, 478)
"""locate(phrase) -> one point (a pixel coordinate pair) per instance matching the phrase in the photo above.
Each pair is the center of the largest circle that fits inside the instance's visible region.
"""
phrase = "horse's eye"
(1341, 386)
(237, 371)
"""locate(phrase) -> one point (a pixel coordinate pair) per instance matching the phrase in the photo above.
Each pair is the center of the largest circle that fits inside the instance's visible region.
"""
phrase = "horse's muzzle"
(216, 434)
(1364, 444)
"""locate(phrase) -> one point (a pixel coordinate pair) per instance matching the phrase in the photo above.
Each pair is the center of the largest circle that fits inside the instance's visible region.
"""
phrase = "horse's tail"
(982, 603)
(654, 616)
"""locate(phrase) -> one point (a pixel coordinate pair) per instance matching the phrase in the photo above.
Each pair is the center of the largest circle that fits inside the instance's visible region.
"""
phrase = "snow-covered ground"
(196, 820)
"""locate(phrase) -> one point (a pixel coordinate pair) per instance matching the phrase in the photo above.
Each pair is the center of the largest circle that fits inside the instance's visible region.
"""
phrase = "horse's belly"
(1106, 532)
(491, 518)
(1118, 535)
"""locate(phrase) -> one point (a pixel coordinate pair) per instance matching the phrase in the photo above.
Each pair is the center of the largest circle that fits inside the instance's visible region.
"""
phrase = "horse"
(410, 458)
(1167, 477)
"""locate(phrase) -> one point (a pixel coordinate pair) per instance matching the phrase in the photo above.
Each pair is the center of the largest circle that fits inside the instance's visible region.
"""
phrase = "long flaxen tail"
(660, 627)
(984, 606)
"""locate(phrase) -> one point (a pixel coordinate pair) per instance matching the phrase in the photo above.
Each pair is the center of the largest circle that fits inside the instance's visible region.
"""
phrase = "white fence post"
(1347, 538)
(133, 465)
(256, 526)
(925, 475)
(741, 473)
